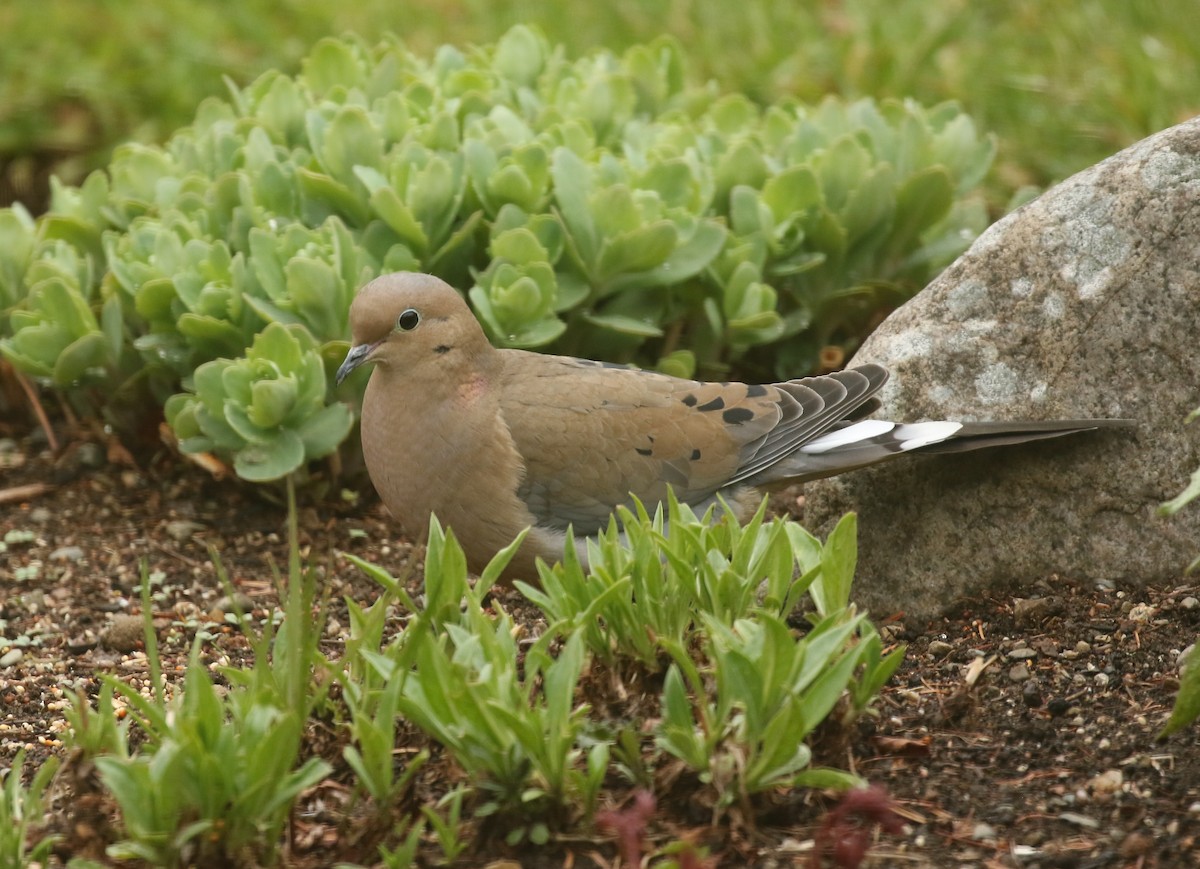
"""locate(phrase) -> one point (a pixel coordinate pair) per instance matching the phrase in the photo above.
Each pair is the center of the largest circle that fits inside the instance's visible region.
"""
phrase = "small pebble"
(1031, 609)
(90, 455)
(1102, 679)
(229, 606)
(939, 648)
(1142, 612)
(1031, 693)
(80, 644)
(1022, 654)
(182, 530)
(1058, 706)
(67, 553)
(12, 656)
(1107, 782)
(1079, 820)
(1018, 673)
(983, 831)
(1189, 603)
(41, 516)
(1083, 647)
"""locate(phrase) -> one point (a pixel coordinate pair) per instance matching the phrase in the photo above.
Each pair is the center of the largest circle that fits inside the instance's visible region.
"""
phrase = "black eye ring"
(408, 320)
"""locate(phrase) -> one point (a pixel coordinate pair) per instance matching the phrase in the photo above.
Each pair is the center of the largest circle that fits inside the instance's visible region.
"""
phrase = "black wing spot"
(737, 415)
(644, 452)
(716, 404)
(755, 390)
(695, 455)
(690, 399)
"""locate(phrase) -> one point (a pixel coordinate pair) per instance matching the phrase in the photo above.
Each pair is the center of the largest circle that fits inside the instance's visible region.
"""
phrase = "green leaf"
(687, 260)
(87, 351)
(1189, 494)
(571, 193)
(791, 191)
(539, 334)
(325, 430)
(1187, 701)
(624, 325)
(271, 459)
(331, 64)
(271, 401)
(839, 557)
(520, 55)
(642, 249)
(823, 778)
(351, 140)
(337, 196)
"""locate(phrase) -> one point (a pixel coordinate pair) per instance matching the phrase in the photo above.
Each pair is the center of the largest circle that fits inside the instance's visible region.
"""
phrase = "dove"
(494, 441)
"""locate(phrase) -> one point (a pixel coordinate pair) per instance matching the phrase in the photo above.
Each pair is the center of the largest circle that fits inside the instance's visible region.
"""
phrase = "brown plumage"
(494, 441)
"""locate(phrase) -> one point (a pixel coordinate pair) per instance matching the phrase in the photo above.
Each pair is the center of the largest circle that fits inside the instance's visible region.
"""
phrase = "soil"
(1016, 733)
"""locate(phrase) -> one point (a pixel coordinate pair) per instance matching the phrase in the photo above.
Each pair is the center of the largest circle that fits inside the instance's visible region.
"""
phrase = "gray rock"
(1080, 304)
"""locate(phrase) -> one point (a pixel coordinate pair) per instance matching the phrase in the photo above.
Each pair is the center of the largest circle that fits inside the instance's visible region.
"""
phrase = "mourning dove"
(495, 441)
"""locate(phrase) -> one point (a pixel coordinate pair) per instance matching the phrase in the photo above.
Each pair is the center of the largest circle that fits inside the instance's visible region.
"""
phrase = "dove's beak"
(357, 356)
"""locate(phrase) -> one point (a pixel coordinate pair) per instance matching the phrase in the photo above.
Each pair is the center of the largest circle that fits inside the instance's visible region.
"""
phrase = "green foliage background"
(1062, 84)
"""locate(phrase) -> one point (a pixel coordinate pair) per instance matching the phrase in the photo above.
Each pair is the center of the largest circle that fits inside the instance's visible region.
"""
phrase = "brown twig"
(43, 421)
(23, 493)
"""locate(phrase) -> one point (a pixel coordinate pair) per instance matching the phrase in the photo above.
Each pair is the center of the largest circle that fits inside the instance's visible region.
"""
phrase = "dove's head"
(408, 319)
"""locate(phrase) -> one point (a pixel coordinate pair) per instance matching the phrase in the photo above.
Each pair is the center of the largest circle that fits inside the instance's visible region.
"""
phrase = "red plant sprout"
(845, 834)
(629, 826)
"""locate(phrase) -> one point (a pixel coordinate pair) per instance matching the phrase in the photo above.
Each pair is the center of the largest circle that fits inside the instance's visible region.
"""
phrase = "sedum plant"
(267, 409)
(595, 206)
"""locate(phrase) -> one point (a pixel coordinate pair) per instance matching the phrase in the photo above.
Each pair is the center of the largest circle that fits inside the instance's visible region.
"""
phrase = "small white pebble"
(1142, 612)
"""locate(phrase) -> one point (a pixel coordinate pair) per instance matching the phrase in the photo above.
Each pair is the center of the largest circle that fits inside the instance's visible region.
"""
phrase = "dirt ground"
(1016, 733)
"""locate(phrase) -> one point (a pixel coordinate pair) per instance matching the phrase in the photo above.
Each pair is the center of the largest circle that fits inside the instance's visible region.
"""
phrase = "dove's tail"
(874, 440)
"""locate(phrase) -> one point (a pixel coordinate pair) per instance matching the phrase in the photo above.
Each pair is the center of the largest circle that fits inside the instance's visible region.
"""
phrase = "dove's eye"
(408, 320)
